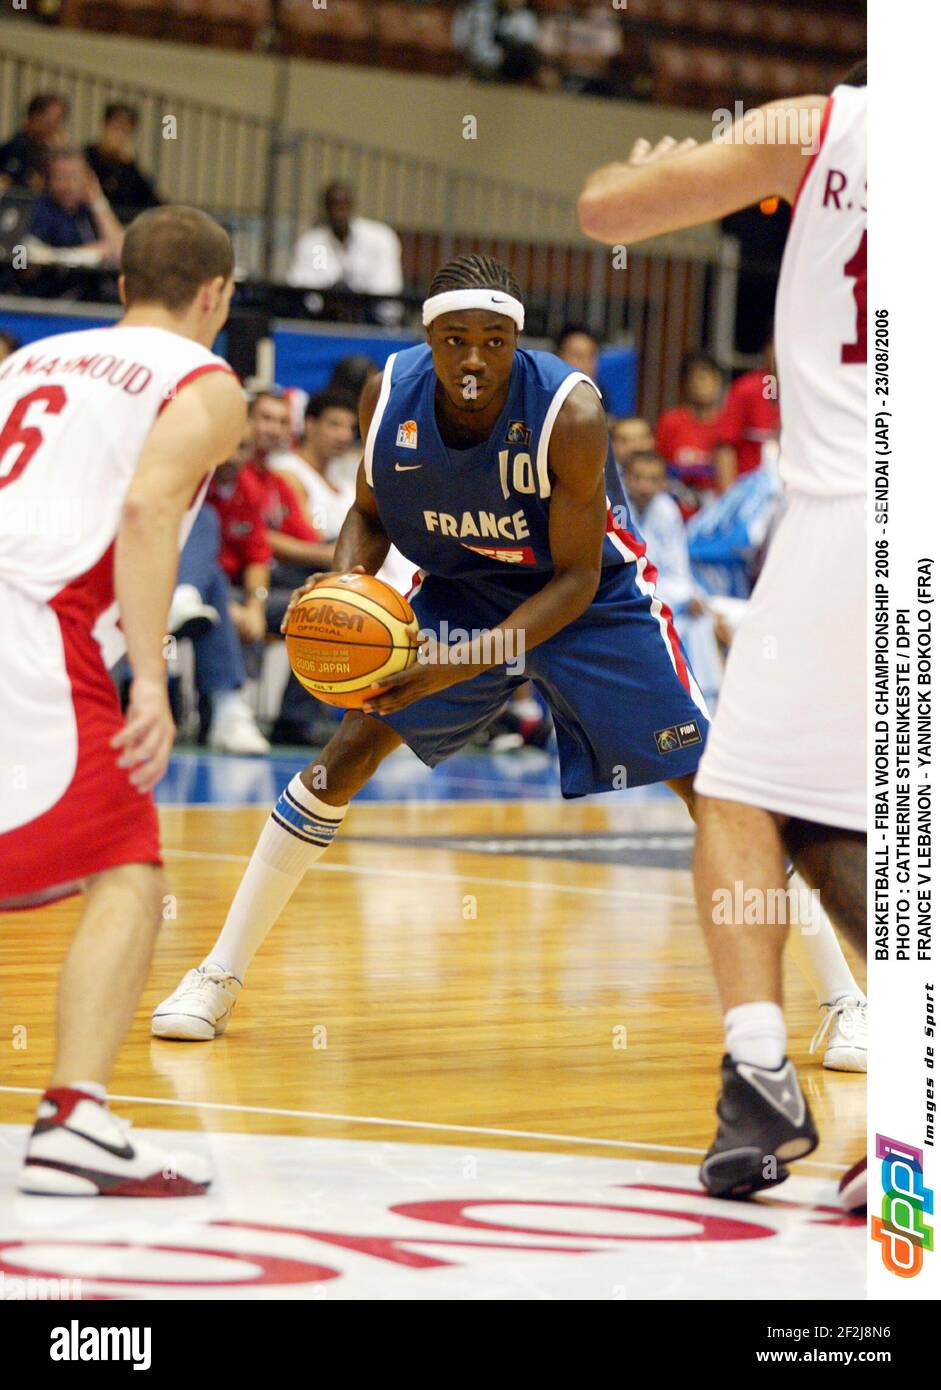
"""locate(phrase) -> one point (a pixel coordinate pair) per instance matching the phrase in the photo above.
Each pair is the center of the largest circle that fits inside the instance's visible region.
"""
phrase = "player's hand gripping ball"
(346, 634)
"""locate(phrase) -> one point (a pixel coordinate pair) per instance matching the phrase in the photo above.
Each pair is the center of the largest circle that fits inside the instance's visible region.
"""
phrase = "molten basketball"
(348, 632)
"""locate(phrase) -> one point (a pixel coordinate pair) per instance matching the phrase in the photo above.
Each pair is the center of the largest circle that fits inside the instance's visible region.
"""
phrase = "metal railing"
(263, 182)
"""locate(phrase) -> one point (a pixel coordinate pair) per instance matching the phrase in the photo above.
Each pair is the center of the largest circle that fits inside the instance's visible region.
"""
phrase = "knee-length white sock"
(820, 959)
(298, 831)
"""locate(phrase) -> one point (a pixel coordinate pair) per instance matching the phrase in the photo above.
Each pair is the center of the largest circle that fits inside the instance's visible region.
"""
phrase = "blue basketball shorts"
(626, 706)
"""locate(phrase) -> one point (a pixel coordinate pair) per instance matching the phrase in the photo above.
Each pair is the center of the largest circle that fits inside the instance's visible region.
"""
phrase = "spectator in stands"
(329, 430)
(298, 549)
(344, 252)
(350, 376)
(111, 158)
(23, 156)
(686, 436)
(244, 552)
(498, 39)
(73, 211)
(201, 609)
(8, 344)
(629, 435)
(661, 525)
(583, 42)
(749, 419)
(318, 472)
(578, 346)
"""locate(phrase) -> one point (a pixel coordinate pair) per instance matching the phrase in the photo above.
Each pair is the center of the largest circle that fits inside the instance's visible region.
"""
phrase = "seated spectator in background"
(498, 39)
(23, 156)
(583, 42)
(8, 344)
(686, 435)
(351, 373)
(73, 211)
(111, 159)
(661, 524)
(629, 435)
(345, 252)
(326, 489)
(578, 347)
(329, 431)
(350, 376)
(201, 610)
(297, 548)
(749, 419)
(727, 540)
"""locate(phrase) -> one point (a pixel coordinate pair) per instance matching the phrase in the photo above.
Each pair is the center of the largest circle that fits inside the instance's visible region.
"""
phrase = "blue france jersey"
(480, 515)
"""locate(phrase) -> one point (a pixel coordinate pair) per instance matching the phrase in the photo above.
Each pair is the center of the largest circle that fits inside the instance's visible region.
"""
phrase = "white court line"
(378, 1120)
(538, 884)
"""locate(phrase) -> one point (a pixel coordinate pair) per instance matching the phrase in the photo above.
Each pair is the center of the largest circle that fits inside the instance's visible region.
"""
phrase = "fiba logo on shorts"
(677, 736)
(902, 1229)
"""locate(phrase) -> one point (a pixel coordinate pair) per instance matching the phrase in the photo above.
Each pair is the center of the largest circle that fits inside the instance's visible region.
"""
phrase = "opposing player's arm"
(198, 429)
(682, 184)
(577, 516)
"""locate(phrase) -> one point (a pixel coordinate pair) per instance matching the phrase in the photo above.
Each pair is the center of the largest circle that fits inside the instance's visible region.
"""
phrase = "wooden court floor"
(433, 995)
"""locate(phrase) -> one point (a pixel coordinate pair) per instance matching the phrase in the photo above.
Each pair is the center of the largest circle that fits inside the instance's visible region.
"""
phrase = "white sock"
(820, 959)
(300, 828)
(756, 1033)
(224, 702)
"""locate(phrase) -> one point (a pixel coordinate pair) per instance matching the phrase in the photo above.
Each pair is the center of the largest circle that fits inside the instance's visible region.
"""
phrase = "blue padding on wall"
(29, 327)
(307, 359)
(617, 377)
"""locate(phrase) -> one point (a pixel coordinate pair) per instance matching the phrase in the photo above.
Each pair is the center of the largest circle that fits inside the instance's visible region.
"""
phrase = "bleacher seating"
(682, 52)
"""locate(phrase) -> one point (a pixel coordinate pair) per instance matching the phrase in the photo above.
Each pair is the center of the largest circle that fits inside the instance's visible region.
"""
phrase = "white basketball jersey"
(75, 410)
(820, 325)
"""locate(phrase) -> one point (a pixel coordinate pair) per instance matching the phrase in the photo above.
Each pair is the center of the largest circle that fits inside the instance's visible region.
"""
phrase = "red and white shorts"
(66, 809)
(790, 731)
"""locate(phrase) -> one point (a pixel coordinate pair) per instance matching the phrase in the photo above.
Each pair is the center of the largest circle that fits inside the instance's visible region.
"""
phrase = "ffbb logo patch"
(677, 736)
(518, 432)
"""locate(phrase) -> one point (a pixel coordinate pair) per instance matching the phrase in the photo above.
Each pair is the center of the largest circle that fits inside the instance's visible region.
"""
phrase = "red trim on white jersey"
(87, 596)
(815, 156)
(635, 550)
(191, 376)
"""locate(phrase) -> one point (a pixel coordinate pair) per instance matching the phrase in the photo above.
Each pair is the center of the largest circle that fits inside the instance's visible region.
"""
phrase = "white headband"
(452, 300)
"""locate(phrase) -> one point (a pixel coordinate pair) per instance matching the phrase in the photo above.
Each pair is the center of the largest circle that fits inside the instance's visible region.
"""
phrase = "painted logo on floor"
(306, 1218)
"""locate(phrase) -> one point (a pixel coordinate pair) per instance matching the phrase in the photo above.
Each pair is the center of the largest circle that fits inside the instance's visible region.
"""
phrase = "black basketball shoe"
(764, 1124)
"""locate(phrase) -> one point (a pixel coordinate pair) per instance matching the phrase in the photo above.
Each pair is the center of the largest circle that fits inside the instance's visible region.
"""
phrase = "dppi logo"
(902, 1229)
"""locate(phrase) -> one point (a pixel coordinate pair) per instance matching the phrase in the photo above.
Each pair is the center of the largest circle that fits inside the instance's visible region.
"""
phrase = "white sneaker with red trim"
(79, 1149)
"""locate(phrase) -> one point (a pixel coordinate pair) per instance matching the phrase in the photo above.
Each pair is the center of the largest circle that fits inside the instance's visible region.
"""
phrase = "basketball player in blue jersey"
(485, 463)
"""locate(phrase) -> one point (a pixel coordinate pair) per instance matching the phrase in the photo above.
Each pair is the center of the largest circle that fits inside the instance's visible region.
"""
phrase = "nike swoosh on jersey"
(406, 467)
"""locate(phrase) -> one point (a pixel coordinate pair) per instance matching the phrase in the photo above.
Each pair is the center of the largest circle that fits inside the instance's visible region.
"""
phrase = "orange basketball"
(348, 632)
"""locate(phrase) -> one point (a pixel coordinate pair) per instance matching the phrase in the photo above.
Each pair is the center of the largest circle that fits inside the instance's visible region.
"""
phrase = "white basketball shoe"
(79, 1149)
(199, 1008)
(844, 1029)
